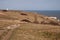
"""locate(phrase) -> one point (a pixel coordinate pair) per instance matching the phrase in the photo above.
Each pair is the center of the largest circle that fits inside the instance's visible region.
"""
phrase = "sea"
(53, 13)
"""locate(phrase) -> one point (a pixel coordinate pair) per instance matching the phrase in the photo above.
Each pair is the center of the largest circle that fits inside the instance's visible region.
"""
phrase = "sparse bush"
(4, 10)
(23, 14)
(25, 20)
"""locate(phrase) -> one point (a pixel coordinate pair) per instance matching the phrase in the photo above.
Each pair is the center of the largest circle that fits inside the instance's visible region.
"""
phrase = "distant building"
(53, 17)
(7, 9)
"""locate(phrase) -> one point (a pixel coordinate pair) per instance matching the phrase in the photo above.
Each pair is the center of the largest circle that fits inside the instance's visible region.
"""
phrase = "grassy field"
(34, 26)
(36, 32)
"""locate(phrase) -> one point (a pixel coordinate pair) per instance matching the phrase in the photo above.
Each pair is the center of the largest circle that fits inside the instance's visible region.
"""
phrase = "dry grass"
(33, 32)
(50, 30)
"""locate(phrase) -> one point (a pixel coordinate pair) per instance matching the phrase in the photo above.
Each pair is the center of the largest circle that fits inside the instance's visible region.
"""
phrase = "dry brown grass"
(36, 32)
(50, 30)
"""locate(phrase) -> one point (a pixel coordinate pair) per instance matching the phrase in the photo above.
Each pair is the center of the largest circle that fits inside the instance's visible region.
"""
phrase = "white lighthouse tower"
(7, 9)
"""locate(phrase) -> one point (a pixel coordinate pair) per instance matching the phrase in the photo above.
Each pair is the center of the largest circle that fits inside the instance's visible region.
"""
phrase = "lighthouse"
(7, 9)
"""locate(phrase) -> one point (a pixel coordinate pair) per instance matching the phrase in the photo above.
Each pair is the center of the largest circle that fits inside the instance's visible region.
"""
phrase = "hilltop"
(20, 25)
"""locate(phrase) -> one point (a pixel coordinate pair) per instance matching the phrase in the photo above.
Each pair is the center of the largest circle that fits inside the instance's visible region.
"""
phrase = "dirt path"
(8, 35)
(5, 35)
(1, 32)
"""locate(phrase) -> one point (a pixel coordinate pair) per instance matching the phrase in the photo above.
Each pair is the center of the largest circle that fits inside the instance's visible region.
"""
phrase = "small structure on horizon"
(7, 9)
(53, 17)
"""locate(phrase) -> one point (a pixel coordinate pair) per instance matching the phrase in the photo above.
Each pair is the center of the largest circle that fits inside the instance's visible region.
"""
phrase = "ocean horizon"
(54, 13)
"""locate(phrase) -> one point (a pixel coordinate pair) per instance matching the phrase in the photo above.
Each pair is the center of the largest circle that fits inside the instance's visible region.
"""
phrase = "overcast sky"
(30, 4)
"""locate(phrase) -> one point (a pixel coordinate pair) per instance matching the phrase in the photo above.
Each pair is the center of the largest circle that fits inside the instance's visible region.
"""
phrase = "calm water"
(55, 13)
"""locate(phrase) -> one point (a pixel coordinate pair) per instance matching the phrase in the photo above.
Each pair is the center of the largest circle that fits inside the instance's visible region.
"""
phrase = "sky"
(30, 4)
